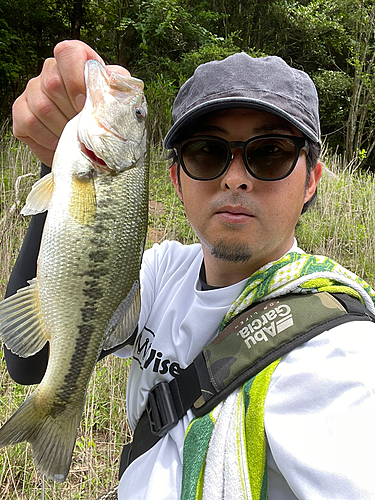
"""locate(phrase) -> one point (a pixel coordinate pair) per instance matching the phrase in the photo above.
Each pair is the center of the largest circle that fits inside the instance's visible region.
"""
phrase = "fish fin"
(39, 198)
(124, 320)
(52, 435)
(82, 205)
(21, 327)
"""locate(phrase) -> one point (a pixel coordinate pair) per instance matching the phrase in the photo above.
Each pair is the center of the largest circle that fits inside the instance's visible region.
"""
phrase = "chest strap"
(249, 343)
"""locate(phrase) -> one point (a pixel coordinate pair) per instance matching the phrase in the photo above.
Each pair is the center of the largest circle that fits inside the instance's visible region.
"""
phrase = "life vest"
(250, 342)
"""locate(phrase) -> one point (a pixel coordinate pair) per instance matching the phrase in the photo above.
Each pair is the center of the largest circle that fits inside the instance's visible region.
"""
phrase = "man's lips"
(234, 214)
(235, 210)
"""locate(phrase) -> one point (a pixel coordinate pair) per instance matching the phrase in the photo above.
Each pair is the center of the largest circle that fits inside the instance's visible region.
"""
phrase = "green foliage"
(160, 93)
(28, 31)
(313, 33)
(166, 32)
(217, 50)
(361, 116)
(162, 42)
(167, 218)
(168, 27)
(334, 89)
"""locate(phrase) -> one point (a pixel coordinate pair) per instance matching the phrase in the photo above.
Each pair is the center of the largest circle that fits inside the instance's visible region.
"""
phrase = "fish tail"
(52, 437)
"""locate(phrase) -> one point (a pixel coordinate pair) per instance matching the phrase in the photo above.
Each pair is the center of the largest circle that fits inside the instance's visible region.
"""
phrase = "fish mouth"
(95, 160)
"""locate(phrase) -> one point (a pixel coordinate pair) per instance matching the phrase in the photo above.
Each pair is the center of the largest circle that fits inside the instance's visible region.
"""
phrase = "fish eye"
(139, 112)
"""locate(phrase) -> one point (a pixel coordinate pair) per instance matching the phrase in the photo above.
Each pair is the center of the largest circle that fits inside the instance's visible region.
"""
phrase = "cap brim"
(200, 110)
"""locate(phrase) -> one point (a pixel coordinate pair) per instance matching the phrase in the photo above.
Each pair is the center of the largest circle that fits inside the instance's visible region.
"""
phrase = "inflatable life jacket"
(251, 341)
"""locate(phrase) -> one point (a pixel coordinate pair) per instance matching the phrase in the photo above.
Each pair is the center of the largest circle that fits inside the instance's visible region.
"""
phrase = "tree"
(360, 138)
(28, 31)
(76, 20)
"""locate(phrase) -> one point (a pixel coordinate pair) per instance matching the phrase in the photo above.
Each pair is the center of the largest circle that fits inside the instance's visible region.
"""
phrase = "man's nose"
(236, 176)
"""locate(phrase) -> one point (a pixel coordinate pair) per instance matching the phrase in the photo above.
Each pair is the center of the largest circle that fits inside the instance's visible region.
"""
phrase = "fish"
(85, 297)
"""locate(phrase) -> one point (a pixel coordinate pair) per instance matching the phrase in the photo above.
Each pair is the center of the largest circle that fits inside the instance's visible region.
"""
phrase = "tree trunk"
(76, 22)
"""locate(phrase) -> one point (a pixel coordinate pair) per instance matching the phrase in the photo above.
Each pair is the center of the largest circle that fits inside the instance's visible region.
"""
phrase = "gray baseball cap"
(241, 81)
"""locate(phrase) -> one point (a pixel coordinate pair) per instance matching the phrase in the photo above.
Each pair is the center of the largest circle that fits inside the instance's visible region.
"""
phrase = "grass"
(341, 225)
(17, 174)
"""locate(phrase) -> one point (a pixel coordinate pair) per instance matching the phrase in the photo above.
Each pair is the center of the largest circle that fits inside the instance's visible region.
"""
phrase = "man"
(245, 139)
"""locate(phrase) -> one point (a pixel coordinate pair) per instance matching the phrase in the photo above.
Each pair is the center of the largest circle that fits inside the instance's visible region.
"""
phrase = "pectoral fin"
(124, 320)
(21, 327)
(82, 205)
(39, 197)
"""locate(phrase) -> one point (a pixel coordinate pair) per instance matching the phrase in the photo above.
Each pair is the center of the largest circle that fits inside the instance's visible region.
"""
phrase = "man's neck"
(226, 273)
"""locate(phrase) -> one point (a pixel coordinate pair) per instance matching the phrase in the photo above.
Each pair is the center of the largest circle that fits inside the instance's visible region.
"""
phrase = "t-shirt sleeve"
(320, 413)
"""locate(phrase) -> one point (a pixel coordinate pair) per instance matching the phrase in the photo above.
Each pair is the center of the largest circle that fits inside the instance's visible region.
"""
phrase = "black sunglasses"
(266, 157)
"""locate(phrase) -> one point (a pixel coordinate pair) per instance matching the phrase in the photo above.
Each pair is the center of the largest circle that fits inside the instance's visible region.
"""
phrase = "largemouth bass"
(85, 297)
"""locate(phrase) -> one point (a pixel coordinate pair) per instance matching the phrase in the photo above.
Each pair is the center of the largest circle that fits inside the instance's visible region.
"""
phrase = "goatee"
(239, 252)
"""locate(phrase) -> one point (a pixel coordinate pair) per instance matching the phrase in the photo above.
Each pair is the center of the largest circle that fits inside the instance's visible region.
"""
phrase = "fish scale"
(85, 297)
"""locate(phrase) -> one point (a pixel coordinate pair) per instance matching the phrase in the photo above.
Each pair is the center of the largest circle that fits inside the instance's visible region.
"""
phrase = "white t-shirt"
(320, 406)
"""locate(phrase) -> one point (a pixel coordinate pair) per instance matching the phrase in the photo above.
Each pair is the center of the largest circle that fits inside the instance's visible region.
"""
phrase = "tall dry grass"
(341, 225)
(19, 170)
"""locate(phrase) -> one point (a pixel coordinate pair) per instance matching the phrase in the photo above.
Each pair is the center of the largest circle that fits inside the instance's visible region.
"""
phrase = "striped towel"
(225, 450)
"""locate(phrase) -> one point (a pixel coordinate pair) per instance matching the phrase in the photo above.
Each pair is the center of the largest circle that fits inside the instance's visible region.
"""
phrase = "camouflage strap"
(249, 343)
(110, 495)
(260, 335)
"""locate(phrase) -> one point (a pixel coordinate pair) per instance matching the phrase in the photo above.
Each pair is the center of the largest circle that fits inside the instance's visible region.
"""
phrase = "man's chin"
(238, 252)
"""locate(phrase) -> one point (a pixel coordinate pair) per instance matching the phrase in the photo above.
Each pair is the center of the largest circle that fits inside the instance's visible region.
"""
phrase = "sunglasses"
(266, 157)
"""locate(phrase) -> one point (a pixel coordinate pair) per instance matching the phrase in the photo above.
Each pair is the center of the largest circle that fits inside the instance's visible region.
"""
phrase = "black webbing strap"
(169, 401)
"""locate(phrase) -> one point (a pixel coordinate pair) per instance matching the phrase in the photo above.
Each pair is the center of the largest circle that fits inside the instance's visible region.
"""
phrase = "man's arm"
(27, 370)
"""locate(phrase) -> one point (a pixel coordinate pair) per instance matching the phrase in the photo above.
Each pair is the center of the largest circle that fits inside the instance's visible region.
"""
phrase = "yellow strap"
(255, 433)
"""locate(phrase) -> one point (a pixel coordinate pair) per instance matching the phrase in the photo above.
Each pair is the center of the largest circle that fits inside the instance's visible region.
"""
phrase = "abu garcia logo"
(261, 325)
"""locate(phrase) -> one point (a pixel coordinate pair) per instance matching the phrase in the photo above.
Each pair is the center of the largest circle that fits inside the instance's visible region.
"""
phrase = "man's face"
(242, 222)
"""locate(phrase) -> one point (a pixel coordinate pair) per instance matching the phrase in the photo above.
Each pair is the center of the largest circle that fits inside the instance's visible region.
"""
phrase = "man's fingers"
(46, 110)
(33, 112)
(29, 129)
(45, 155)
(71, 57)
(49, 89)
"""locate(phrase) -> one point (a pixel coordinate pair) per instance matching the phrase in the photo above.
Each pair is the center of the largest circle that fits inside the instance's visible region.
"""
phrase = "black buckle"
(161, 409)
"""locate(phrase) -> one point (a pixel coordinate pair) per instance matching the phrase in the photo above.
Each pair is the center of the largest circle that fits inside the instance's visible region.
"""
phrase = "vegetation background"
(162, 41)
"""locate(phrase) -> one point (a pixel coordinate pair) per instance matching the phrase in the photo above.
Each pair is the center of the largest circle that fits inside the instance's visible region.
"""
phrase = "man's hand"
(53, 98)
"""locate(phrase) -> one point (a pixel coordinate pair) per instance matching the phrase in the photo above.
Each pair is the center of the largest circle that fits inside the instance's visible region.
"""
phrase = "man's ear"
(173, 172)
(315, 176)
